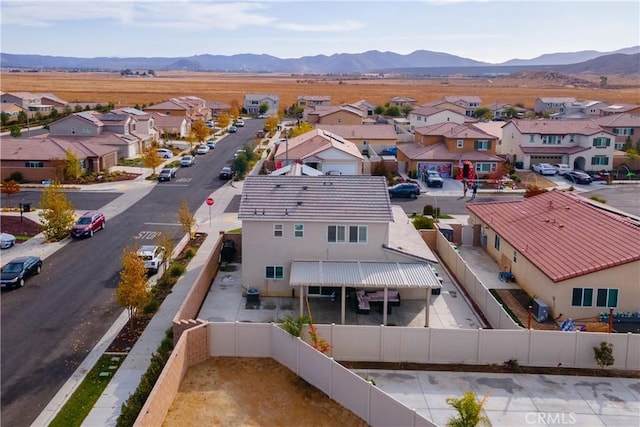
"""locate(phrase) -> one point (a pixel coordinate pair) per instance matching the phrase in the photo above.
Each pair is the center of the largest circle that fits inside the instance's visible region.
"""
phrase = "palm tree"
(469, 411)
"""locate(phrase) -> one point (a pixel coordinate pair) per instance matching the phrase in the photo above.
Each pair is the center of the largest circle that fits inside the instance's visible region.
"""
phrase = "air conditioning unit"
(483, 240)
(540, 310)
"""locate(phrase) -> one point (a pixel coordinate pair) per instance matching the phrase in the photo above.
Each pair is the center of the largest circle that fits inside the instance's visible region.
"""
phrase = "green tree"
(53, 115)
(393, 111)
(66, 111)
(263, 108)
(4, 118)
(77, 108)
(151, 158)
(510, 112)
(379, 110)
(187, 219)
(469, 409)
(240, 165)
(132, 292)
(71, 166)
(604, 354)
(56, 212)
(22, 117)
(10, 188)
(406, 109)
(16, 132)
(482, 113)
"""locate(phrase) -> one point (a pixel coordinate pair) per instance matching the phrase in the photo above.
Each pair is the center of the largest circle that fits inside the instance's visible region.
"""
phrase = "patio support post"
(302, 292)
(426, 308)
(385, 301)
(342, 304)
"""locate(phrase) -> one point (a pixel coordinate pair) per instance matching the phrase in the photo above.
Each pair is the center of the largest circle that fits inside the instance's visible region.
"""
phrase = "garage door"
(546, 159)
(444, 169)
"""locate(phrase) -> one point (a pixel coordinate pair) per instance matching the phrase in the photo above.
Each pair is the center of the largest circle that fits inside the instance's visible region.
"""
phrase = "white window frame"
(278, 230)
(338, 229)
(298, 231)
(361, 232)
(460, 143)
(275, 275)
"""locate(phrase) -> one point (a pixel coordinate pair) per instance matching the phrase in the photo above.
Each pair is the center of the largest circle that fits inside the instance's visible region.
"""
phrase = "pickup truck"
(167, 174)
(434, 179)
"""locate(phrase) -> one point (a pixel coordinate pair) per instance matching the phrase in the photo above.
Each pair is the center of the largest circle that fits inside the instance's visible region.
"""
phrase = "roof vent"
(277, 185)
(305, 188)
(299, 203)
(550, 204)
(255, 211)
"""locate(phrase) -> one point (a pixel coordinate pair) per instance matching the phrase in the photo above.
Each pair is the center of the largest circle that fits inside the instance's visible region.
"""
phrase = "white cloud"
(44, 14)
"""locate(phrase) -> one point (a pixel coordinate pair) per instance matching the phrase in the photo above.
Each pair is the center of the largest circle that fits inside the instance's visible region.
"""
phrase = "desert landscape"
(522, 88)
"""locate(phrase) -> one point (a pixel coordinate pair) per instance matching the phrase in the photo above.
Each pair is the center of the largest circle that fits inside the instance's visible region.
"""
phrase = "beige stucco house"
(335, 115)
(253, 101)
(430, 115)
(625, 127)
(582, 144)
(324, 231)
(321, 150)
(313, 100)
(572, 253)
(366, 137)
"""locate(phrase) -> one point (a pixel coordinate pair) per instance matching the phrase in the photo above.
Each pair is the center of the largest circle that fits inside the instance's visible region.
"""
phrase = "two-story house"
(321, 150)
(253, 101)
(192, 107)
(313, 100)
(368, 138)
(468, 102)
(402, 101)
(327, 233)
(574, 254)
(430, 115)
(32, 103)
(582, 144)
(454, 150)
(551, 105)
(625, 126)
(580, 110)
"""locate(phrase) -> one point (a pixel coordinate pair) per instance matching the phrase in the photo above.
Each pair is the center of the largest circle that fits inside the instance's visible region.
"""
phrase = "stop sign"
(210, 201)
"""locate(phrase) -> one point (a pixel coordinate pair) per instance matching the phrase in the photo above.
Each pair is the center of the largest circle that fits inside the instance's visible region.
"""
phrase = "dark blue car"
(15, 273)
(404, 189)
(389, 151)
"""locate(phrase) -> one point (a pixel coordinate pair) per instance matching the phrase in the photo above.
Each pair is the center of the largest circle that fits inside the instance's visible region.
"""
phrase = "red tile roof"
(563, 234)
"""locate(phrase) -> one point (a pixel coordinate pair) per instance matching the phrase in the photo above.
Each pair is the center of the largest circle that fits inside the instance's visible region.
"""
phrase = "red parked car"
(88, 223)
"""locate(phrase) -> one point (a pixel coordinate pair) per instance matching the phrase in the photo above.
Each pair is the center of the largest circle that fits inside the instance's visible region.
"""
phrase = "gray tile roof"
(323, 198)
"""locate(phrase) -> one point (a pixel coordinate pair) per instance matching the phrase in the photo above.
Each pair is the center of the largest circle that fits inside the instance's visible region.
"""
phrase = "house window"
(83, 164)
(496, 242)
(460, 143)
(601, 142)
(515, 256)
(572, 138)
(607, 298)
(486, 167)
(532, 138)
(551, 139)
(336, 234)
(86, 130)
(600, 160)
(623, 131)
(73, 131)
(277, 230)
(32, 164)
(582, 297)
(619, 145)
(357, 234)
(482, 145)
(298, 230)
(274, 272)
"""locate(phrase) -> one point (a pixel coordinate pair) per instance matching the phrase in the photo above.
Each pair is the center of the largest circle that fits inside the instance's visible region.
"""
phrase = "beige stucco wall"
(625, 278)
(341, 118)
(73, 125)
(266, 250)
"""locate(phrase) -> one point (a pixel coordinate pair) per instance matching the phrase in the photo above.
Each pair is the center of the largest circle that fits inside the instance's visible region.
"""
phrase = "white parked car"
(152, 256)
(561, 168)
(164, 153)
(239, 123)
(7, 240)
(203, 149)
(544, 169)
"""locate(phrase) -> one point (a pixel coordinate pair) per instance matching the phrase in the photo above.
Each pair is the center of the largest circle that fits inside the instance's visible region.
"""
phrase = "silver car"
(187, 161)
(7, 240)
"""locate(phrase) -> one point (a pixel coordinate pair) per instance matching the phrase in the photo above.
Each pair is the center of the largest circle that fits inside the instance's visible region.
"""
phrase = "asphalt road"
(50, 325)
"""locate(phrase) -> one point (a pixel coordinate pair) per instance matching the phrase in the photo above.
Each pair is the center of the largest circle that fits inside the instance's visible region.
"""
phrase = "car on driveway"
(544, 169)
(561, 168)
(88, 223)
(226, 173)
(202, 149)
(152, 256)
(434, 179)
(404, 189)
(578, 177)
(187, 161)
(7, 240)
(167, 174)
(18, 270)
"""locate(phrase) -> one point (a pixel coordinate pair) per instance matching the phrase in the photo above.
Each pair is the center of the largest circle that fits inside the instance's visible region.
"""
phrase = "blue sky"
(485, 30)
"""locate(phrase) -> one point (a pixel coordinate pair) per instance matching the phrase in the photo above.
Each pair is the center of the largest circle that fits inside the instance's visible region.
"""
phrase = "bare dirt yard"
(252, 392)
(522, 88)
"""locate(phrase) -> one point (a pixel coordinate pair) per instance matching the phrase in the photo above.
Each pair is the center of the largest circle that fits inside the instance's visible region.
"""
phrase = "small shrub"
(177, 270)
(427, 210)
(512, 365)
(151, 307)
(515, 177)
(15, 176)
(293, 325)
(422, 223)
(598, 199)
(189, 253)
(604, 354)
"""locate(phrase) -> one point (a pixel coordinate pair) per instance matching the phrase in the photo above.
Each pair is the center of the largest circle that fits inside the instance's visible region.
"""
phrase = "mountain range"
(622, 61)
